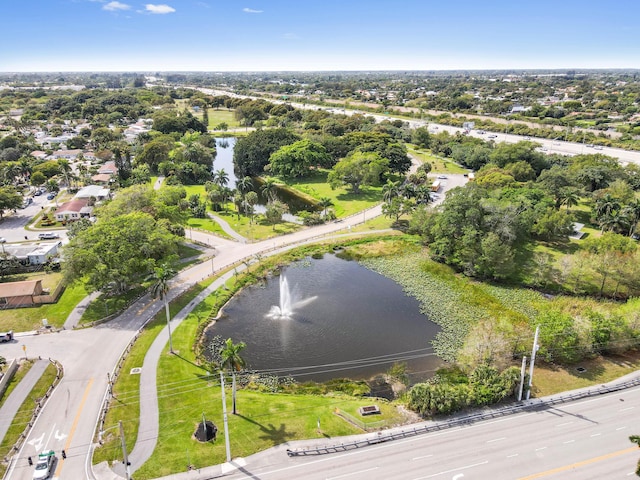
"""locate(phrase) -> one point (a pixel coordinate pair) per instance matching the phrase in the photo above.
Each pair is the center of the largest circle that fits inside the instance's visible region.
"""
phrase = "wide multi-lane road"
(587, 439)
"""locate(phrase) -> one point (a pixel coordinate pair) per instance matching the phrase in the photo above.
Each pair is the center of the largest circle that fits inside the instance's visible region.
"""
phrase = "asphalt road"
(587, 439)
(12, 226)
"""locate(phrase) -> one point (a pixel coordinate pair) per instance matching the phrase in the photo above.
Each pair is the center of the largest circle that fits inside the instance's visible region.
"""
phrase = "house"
(74, 210)
(33, 254)
(105, 173)
(68, 154)
(39, 154)
(18, 294)
(43, 253)
(96, 191)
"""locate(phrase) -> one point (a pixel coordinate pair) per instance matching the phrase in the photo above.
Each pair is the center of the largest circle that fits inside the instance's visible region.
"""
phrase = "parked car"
(51, 196)
(37, 193)
(44, 465)
(493, 136)
(48, 236)
(6, 336)
(442, 177)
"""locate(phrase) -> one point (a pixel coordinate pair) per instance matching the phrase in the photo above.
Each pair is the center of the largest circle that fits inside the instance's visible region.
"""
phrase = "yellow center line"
(75, 425)
(580, 464)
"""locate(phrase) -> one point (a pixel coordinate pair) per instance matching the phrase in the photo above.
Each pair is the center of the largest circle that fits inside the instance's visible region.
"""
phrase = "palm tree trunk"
(233, 390)
(166, 310)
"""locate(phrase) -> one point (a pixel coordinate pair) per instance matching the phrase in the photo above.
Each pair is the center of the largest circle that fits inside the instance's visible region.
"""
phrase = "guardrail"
(381, 437)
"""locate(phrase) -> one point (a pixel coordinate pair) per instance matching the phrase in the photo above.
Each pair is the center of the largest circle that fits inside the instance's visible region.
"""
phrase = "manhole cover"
(581, 369)
(136, 371)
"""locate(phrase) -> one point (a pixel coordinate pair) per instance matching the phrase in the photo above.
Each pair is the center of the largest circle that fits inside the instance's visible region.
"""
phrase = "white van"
(48, 236)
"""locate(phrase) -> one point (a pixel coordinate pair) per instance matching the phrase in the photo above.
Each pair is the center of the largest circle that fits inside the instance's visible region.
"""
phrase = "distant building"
(96, 191)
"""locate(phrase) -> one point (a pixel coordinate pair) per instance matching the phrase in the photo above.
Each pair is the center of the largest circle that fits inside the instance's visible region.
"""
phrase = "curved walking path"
(19, 395)
(229, 253)
(227, 228)
(76, 314)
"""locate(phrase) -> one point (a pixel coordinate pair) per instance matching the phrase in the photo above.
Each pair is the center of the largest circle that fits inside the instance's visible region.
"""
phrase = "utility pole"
(224, 418)
(534, 349)
(522, 370)
(124, 452)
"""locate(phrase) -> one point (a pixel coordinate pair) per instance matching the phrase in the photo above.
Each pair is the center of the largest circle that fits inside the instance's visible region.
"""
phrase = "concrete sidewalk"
(19, 395)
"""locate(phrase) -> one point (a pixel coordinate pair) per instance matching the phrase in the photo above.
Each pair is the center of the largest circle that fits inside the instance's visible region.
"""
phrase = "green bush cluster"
(455, 391)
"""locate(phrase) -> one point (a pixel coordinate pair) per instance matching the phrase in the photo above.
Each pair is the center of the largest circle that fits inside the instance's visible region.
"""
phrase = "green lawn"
(219, 116)
(30, 318)
(438, 164)
(23, 415)
(345, 202)
(103, 306)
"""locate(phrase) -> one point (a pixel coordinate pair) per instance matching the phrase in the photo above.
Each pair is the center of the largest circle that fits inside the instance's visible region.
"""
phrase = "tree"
(221, 178)
(117, 252)
(160, 288)
(9, 200)
(250, 200)
(252, 153)
(275, 210)
(606, 251)
(37, 179)
(421, 137)
(245, 184)
(231, 359)
(269, 188)
(397, 207)
(325, 203)
(357, 170)
(155, 152)
(298, 159)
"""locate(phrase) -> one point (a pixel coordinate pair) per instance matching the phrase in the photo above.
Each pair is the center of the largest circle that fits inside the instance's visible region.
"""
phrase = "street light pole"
(534, 349)
(124, 452)
(225, 419)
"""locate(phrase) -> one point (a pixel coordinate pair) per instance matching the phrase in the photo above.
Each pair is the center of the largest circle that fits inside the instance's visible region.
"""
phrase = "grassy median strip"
(25, 412)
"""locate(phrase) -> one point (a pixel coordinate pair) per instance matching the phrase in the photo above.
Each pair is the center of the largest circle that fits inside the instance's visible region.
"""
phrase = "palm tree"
(325, 203)
(390, 190)
(245, 184)
(269, 189)
(633, 212)
(220, 177)
(160, 288)
(570, 198)
(231, 359)
(65, 170)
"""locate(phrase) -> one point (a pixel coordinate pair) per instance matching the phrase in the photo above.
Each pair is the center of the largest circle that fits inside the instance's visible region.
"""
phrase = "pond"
(224, 160)
(345, 321)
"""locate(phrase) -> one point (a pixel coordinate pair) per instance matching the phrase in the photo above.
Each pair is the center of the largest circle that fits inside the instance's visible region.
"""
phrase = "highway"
(547, 145)
(587, 439)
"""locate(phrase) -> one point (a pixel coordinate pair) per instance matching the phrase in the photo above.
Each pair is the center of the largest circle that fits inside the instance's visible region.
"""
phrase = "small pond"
(224, 160)
(346, 321)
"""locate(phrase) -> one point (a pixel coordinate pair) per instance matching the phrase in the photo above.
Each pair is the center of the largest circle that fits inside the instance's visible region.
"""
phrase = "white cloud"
(159, 9)
(290, 36)
(251, 10)
(115, 6)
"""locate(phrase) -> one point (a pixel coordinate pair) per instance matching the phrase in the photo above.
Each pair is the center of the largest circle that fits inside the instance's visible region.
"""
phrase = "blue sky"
(256, 35)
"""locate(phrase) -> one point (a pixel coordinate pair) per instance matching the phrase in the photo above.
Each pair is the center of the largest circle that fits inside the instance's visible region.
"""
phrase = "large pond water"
(348, 322)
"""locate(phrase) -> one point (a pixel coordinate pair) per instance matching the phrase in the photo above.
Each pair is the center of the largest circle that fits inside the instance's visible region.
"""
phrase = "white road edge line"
(352, 473)
(620, 428)
(569, 441)
(512, 455)
(541, 448)
(596, 434)
(453, 470)
(625, 409)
